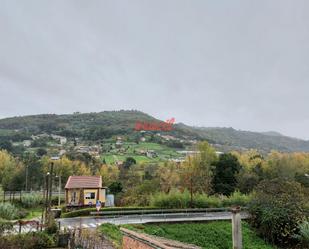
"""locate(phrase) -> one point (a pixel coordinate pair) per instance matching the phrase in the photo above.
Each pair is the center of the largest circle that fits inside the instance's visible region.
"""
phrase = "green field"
(132, 150)
(211, 235)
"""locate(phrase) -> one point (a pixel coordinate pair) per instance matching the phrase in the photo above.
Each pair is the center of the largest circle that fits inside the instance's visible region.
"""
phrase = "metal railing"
(17, 195)
(157, 211)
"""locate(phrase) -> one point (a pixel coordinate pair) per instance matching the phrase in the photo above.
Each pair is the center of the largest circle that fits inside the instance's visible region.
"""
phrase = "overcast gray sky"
(241, 64)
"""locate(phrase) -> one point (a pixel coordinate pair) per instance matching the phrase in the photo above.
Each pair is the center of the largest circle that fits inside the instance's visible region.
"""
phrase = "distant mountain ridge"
(93, 126)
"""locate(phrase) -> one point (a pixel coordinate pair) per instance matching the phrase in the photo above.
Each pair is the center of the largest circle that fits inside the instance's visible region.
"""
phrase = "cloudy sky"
(241, 64)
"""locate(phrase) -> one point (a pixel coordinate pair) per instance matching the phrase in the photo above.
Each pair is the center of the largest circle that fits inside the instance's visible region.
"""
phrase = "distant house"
(62, 140)
(151, 154)
(84, 191)
(119, 163)
(27, 143)
(118, 143)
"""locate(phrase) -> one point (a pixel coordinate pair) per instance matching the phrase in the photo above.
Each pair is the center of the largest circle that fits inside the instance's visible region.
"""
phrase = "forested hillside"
(97, 126)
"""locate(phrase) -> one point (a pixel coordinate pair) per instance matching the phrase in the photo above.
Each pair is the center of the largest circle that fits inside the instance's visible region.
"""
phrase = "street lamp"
(49, 189)
(53, 158)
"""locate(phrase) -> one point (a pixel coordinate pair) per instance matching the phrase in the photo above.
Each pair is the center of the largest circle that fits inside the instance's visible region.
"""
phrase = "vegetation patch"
(113, 233)
(33, 240)
(177, 199)
(212, 235)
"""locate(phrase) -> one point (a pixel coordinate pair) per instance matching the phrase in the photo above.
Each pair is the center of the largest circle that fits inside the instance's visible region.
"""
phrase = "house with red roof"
(84, 191)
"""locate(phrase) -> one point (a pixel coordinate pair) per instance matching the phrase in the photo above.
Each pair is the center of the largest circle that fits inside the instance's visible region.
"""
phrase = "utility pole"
(46, 196)
(50, 185)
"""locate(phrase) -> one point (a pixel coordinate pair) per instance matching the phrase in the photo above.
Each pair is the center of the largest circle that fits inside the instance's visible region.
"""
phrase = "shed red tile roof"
(84, 182)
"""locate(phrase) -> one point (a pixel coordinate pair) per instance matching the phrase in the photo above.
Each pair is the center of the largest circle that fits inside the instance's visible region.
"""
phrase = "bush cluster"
(5, 225)
(277, 210)
(33, 240)
(177, 199)
(31, 200)
(8, 211)
(87, 211)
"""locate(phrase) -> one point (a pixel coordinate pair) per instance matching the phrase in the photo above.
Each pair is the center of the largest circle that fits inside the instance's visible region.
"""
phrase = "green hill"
(96, 126)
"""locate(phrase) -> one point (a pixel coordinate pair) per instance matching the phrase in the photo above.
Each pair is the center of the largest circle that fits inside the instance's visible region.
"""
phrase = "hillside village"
(112, 150)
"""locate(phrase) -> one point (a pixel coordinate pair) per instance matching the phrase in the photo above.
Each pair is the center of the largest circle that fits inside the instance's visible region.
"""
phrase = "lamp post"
(50, 185)
(49, 189)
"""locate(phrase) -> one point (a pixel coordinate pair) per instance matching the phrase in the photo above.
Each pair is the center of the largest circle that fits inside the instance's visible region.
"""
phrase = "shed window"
(90, 195)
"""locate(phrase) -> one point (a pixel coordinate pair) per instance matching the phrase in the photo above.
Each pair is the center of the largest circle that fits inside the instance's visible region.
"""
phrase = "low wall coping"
(157, 242)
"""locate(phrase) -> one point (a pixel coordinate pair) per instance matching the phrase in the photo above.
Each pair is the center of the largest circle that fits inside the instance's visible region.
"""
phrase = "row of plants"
(177, 199)
(87, 211)
(34, 200)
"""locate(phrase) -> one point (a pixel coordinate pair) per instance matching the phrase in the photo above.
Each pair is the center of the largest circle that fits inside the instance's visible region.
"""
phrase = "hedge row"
(87, 211)
(177, 199)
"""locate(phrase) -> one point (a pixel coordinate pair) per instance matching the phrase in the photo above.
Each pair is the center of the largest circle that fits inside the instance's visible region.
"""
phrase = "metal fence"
(9, 196)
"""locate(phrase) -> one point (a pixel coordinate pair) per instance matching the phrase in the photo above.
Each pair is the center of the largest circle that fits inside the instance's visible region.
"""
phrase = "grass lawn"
(113, 233)
(33, 213)
(211, 235)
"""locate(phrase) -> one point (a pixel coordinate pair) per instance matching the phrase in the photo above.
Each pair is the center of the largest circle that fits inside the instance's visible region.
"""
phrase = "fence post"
(19, 222)
(236, 228)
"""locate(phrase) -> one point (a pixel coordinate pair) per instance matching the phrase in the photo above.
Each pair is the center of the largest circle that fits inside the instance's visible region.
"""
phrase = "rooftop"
(84, 182)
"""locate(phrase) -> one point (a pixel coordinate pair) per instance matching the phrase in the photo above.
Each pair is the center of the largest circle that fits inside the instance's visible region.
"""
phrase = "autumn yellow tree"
(109, 174)
(169, 176)
(196, 171)
(11, 172)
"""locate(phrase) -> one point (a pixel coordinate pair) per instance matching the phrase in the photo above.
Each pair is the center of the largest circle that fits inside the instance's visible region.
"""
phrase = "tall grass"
(177, 199)
(237, 199)
(8, 211)
(31, 200)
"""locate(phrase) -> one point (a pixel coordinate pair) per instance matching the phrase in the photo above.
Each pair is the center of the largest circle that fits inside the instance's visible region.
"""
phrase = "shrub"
(52, 226)
(237, 199)
(204, 201)
(8, 211)
(33, 240)
(112, 232)
(276, 210)
(177, 199)
(174, 199)
(303, 235)
(86, 211)
(5, 226)
(31, 200)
